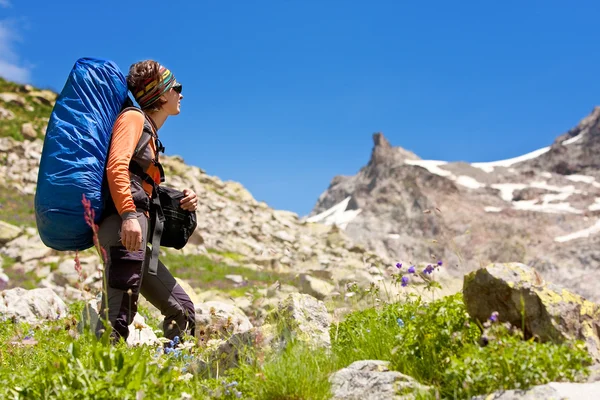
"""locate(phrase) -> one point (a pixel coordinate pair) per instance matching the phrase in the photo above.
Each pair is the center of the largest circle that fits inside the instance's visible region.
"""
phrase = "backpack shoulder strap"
(145, 138)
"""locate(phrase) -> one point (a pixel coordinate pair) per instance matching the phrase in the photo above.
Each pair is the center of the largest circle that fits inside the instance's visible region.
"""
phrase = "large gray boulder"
(299, 317)
(32, 306)
(219, 320)
(550, 391)
(372, 379)
(522, 297)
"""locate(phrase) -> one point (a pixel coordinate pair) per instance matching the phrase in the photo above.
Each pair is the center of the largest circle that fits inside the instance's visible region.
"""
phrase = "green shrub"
(508, 362)
(417, 338)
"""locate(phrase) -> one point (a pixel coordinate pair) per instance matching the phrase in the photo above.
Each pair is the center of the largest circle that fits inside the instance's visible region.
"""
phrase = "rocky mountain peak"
(589, 124)
(574, 152)
(382, 150)
(380, 141)
(384, 154)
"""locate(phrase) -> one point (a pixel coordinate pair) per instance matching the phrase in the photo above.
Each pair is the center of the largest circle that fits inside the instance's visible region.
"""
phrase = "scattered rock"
(13, 98)
(372, 379)
(529, 194)
(6, 114)
(25, 248)
(45, 97)
(594, 373)
(553, 390)
(220, 355)
(315, 287)
(284, 236)
(28, 131)
(237, 279)
(215, 319)
(31, 306)
(550, 312)
(66, 274)
(8, 232)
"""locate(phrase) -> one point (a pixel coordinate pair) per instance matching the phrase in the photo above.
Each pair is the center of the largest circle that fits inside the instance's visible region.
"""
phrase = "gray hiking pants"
(127, 277)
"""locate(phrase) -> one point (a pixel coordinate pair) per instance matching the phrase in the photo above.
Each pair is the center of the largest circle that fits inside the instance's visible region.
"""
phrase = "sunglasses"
(177, 87)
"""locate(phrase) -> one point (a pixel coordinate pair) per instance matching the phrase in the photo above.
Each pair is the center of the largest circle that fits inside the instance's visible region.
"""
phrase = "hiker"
(127, 225)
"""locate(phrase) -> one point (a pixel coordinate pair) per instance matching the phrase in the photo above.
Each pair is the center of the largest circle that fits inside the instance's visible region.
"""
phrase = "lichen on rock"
(520, 296)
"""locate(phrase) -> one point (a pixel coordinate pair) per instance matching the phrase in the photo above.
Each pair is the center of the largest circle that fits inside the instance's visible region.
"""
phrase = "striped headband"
(153, 89)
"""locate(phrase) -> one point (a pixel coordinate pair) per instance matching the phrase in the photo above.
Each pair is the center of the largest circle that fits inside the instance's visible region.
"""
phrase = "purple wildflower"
(428, 269)
(398, 265)
(494, 316)
(404, 280)
(439, 263)
(400, 322)
(411, 269)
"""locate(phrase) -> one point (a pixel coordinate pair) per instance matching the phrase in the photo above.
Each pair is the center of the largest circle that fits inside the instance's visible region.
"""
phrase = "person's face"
(173, 97)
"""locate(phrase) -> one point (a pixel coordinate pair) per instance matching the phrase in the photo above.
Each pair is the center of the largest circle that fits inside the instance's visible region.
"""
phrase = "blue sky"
(283, 95)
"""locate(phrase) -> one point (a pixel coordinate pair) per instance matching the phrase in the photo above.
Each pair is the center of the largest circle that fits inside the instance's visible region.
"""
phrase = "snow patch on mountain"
(492, 209)
(432, 166)
(596, 205)
(580, 234)
(338, 215)
(489, 166)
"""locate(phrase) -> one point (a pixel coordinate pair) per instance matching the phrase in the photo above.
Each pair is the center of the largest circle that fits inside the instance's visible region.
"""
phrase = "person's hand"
(190, 201)
(131, 234)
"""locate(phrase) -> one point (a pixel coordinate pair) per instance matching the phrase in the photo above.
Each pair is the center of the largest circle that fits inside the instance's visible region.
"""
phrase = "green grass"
(299, 372)
(203, 273)
(509, 362)
(228, 254)
(436, 343)
(53, 361)
(38, 116)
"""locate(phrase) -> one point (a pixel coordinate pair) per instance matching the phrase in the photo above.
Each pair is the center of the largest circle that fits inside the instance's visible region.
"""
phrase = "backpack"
(74, 153)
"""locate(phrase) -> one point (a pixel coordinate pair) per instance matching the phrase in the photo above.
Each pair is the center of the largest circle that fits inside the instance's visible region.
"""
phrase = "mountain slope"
(240, 245)
(542, 208)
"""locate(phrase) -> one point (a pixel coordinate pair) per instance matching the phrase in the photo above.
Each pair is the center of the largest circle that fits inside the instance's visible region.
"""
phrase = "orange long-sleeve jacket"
(126, 134)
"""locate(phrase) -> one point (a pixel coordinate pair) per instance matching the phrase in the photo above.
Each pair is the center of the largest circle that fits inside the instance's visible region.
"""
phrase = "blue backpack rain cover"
(74, 154)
